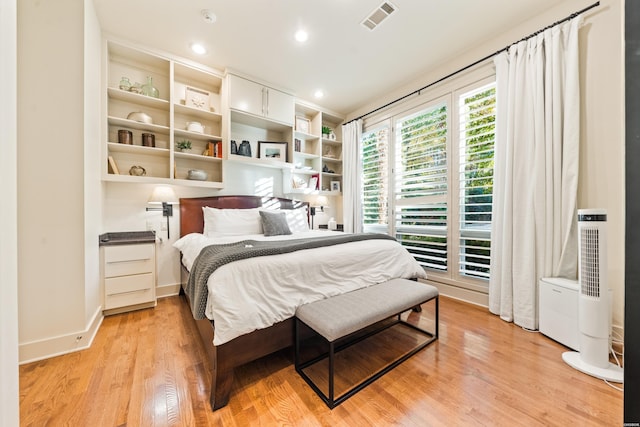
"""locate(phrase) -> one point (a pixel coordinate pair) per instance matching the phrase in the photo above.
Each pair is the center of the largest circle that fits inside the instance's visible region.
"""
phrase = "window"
(421, 185)
(375, 179)
(431, 169)
(477, 137)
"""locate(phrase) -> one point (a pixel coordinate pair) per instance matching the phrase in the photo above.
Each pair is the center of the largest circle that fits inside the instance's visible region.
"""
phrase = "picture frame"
(313, 182)
(276, 151)
(196, 98)
(303, 124)
(335, 186)
(297, 182)
(113, 168)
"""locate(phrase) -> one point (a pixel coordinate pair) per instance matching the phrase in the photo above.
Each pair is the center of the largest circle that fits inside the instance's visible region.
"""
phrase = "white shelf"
(336, 175)
(305, 136)
(199, 113)
(196, 135)
(194, 183)
(136, 98)
(264, 163)
(132, 124)
(137, 179)
(305, 171)
(200, 157)
(303, 191)
(258, 122)
(304, 155)
(137, 149)
(331, 159)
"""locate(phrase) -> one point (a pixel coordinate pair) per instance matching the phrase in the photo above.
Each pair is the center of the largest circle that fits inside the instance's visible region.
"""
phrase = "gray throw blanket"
(215, 256)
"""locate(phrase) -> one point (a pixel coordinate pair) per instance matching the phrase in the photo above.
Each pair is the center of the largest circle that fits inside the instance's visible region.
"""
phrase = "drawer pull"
(129, 292)
(556, 291)
(128, 260)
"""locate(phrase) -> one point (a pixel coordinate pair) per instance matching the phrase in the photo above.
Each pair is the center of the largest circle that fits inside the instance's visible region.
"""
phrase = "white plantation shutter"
(477, 115)
(430, 168)
(421, 213)
(375, 179)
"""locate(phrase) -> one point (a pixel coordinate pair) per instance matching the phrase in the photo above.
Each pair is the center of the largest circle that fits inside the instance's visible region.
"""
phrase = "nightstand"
(128, 270)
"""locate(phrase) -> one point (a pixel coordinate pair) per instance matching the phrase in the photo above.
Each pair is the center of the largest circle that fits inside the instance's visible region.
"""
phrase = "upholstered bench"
(341, 320)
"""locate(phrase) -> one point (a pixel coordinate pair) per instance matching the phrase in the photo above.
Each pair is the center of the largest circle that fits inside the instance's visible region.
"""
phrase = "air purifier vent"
(590, 262)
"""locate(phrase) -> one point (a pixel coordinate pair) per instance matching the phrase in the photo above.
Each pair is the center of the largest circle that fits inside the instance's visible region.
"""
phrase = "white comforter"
(256, 293)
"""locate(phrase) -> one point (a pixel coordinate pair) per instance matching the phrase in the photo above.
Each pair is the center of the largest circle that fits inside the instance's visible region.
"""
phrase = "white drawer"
(128, 290)
(128, 259)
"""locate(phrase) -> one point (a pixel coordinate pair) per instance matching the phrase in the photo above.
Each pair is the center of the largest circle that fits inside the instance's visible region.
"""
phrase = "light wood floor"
(147, 368)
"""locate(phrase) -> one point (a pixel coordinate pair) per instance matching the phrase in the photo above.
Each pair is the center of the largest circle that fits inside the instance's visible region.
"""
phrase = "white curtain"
(536, 170)
(351, 173)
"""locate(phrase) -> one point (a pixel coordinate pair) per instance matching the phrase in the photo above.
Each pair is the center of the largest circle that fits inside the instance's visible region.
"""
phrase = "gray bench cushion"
(338, 316)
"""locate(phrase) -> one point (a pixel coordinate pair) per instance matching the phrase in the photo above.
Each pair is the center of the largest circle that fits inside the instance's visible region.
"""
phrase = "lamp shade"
(322, 201)
(163, 194)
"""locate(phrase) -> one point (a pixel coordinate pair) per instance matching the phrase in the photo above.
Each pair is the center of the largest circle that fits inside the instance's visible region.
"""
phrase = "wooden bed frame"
(246, 348)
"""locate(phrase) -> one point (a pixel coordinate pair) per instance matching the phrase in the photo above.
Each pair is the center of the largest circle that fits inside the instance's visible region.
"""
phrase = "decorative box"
(197, 98)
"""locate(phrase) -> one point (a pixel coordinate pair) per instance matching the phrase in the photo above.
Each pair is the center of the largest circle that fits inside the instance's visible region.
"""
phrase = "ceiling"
(350, 63)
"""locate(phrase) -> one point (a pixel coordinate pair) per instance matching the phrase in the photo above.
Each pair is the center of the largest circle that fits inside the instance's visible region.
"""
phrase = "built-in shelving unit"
(316, 157)
(170, 113)
(226, 108)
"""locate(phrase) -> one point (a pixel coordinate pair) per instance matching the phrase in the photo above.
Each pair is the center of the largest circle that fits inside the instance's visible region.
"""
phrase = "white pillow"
(231, 222)
(297, 219)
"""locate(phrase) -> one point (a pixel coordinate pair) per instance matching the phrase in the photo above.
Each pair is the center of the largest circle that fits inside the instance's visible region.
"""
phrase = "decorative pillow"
(231, 222)
(297, 219)
(274, 223)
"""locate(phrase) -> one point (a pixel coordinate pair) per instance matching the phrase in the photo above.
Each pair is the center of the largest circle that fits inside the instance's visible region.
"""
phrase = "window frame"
(449, 92)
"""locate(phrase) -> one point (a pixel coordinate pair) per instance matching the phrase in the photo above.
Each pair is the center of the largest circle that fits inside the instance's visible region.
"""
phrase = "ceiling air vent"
(378, 15)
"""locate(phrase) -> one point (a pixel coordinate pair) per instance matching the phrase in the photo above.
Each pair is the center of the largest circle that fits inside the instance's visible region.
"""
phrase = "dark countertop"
(127, 238)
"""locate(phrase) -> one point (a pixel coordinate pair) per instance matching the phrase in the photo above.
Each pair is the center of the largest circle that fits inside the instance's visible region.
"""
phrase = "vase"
(149, 90)
(124, 84)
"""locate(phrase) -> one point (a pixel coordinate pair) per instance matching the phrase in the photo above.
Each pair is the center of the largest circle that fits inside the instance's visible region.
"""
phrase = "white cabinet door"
(245, 95)
(263, 101)
(280, 106)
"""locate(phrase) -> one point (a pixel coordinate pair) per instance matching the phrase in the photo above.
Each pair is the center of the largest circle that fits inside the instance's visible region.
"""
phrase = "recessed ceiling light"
(301, 36)
(318, 93)
(198, 48)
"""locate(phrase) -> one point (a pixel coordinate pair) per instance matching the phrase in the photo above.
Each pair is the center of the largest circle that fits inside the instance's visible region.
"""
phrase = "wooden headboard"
(191, 217)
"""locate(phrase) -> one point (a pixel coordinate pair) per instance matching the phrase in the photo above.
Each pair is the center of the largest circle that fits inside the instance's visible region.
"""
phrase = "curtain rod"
(573, 15)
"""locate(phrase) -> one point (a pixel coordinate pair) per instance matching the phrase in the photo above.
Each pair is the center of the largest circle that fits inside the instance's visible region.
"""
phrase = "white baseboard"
(62, 344)
(167, 290)
(466, 295)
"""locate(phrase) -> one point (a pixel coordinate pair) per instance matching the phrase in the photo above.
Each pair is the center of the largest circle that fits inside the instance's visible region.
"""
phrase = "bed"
(247, 330)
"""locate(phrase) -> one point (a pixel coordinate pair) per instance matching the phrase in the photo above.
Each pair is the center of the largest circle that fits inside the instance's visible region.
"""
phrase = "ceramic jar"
(125, 136)
(148, 140)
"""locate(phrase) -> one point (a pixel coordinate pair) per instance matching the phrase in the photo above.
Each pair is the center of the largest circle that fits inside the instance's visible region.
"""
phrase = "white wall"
(92, 159)
(9, 403)
(602, 125)
(58, 281)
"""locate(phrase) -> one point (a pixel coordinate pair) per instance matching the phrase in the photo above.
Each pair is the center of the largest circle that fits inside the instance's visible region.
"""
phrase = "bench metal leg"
(331, 367)
(330, 399)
